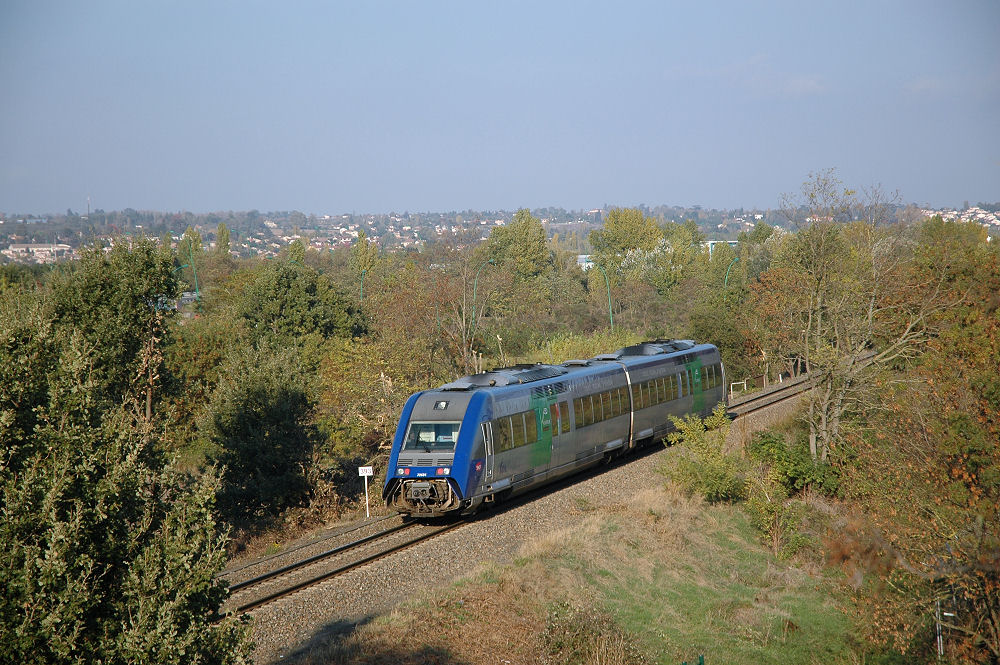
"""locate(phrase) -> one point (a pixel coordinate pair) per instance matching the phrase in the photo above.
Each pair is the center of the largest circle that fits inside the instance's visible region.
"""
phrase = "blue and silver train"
(487, 436)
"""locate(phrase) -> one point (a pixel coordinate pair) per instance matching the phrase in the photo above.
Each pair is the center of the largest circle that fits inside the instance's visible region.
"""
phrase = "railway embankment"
(661, 574)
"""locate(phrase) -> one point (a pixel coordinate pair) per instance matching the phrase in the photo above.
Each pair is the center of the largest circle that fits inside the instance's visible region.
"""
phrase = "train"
(488, 436)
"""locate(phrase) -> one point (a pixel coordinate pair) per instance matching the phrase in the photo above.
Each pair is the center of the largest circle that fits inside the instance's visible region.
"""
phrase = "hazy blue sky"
(332, 107)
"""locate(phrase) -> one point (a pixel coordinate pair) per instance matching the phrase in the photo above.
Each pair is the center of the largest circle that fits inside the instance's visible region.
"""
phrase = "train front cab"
(432, 452)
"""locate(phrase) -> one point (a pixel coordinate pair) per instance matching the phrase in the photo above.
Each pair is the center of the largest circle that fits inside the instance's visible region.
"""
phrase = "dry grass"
(663, 575)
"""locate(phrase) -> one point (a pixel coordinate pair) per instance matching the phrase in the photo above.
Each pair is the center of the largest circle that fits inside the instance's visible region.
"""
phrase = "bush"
(108, 555)
(701, 464)
(792, 465)
(778, 519)
(258, 427)
(573, 635)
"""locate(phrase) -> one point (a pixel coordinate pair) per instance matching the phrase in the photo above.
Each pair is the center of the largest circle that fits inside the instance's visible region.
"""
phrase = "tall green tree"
(520, 247)
(222, 244)
(622, 246)
(108, 555)
(119, 302)
(291, 302)
(259, 426)
(364, 254)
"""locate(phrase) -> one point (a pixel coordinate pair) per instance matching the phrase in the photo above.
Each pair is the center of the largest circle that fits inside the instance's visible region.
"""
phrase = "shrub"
(108, 555)
(701, 464)
(771, 512)
(258, 426)
(573, 635)
(792, 465)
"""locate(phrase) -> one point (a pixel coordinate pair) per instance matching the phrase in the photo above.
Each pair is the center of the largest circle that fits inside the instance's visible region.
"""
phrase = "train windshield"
(431, 436)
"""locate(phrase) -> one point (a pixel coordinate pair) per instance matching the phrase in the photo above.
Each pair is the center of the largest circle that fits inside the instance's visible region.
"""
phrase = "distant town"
(49, 239)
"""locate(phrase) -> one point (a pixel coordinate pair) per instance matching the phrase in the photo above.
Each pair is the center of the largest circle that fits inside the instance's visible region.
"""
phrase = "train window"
(657, 390)
(704, 378)
(623, 398)
(588, 411)
(606, 403)
(530, 427)
(563, 416)
(502, 439)
(682, 385)
(690, 382)
(517, 423)
(431, 436)
(616, 403)
(644, 394)
(554, 417)
(578, 413)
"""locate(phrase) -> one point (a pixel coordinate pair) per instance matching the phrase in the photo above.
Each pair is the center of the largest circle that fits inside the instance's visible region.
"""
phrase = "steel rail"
(768, 397)
(340, 570)
(271, 574)
(222, 574)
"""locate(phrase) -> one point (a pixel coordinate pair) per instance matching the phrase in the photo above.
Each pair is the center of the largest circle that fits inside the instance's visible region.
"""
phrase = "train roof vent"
(576, 363)
(609, 356)
(644, 349)
(505, 376)
(671, 345)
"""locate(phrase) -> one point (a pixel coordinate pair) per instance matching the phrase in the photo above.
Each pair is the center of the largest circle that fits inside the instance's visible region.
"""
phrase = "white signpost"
(364, 472)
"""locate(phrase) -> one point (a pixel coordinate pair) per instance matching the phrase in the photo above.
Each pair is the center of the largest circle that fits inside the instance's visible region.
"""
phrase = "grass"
(660, 580)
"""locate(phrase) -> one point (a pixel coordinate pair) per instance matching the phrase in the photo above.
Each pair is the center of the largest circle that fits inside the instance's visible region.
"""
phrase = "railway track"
(287, 579)
(334, 558)
(769, 396)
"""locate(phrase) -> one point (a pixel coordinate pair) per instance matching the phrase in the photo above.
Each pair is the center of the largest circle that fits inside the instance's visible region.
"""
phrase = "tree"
(222, 245)
(108, 555)
(622, 245)
(290, 301)
(119, 302)
(926, 470)
(520, 247)
(364, 254)
(259, 425)
(850, 306)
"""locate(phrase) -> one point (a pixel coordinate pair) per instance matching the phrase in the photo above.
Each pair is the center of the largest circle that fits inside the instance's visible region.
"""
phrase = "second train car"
(490, 435)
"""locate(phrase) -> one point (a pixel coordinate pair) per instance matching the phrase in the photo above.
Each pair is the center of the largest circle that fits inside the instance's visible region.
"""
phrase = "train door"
(698, 397)
(488, 445)
(541, 405)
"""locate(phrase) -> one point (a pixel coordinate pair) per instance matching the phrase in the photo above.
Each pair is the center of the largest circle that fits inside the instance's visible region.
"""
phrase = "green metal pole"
(607, 283)
(197, 293)
(731, 264)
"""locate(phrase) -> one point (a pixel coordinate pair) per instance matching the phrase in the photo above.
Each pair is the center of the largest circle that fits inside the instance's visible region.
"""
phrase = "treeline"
(899, 330)
(137, 439)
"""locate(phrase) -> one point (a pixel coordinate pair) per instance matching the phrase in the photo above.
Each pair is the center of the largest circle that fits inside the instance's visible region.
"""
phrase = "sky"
(334, 107)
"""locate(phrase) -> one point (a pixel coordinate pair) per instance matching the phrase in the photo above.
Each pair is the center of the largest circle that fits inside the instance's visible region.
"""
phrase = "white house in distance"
(30, 253)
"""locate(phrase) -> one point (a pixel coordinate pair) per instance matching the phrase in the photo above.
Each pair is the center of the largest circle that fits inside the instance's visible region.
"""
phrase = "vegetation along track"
(321, 560)
(287, 579)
